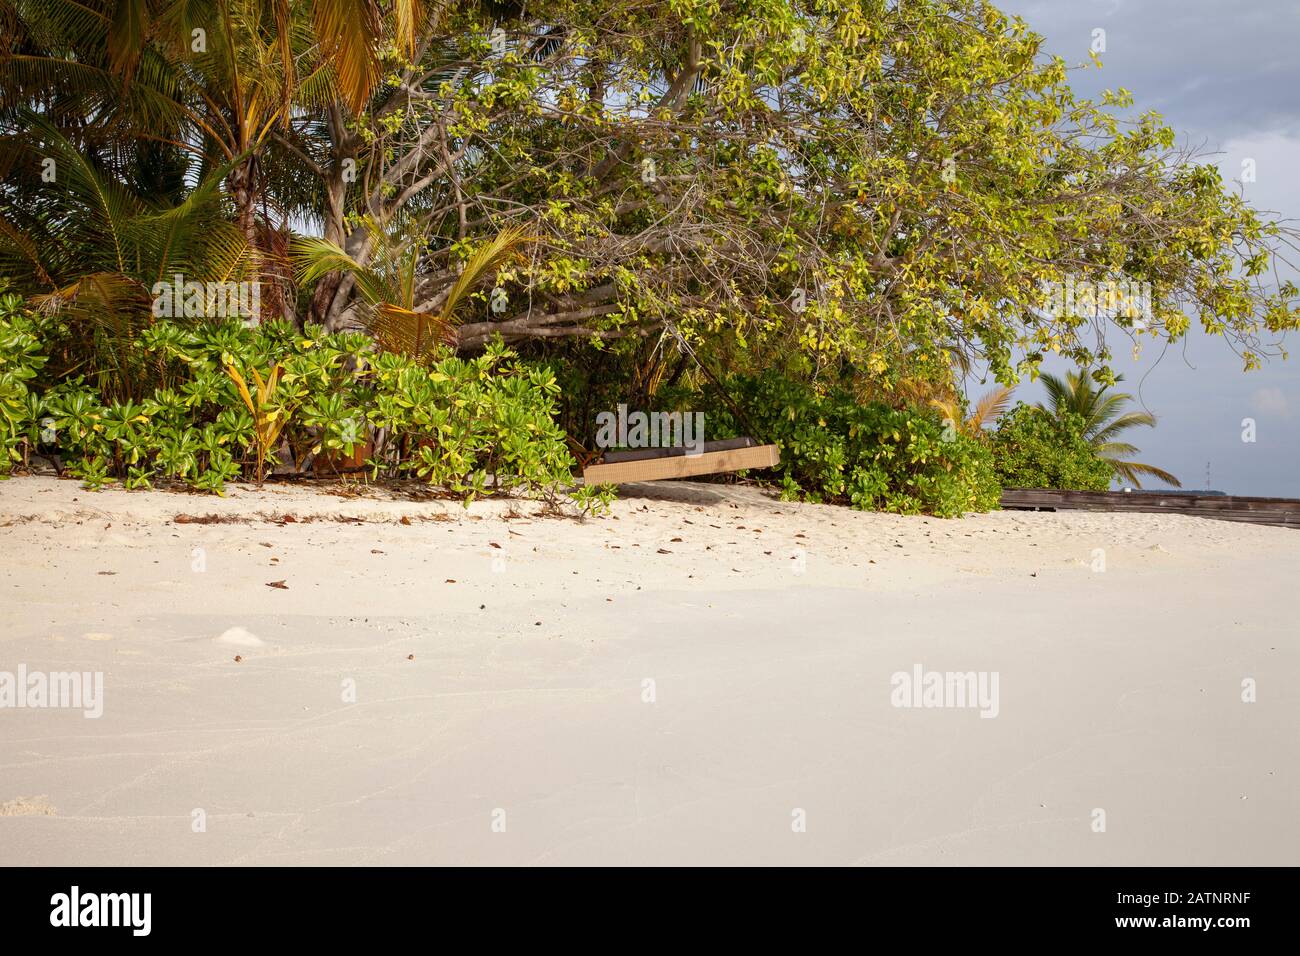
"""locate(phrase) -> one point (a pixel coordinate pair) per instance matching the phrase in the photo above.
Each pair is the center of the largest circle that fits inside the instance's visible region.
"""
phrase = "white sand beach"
(702, 677)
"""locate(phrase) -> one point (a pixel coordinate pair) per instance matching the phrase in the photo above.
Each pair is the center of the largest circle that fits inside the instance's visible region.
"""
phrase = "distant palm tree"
(1104, 418)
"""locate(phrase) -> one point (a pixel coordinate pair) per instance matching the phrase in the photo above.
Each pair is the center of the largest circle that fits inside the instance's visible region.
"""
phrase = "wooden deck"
(1273, 511)
(657, 464)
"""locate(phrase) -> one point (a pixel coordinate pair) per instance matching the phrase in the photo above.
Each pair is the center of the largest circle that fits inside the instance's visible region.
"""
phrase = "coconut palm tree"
(94, 249)
(1104, 418)
(391, 282)
(243, 85)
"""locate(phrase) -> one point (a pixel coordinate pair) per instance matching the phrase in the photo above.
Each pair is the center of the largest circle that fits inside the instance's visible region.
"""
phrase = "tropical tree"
(1104, 418)
(854, 184)
(95, 251)
(156, 93)
(396, 307)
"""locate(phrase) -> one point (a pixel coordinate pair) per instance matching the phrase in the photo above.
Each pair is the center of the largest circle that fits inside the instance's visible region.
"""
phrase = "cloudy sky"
(1226, 75)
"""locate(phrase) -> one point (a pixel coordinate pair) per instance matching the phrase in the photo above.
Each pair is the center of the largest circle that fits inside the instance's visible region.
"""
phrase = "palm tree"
(1104, 418)
(390, 283)
(238, 84)
(94, 249)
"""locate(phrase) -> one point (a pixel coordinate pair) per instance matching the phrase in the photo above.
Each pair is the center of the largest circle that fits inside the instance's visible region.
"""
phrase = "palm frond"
(315, 258)
(126, 36)
(992, 405)
(348, 31)
(1058, 393)
(1129, 471)
(1123, 422)
(409, 18)
(947, 408)
(492, 254)
(106, 312)
(407, 332)
(1115, 450)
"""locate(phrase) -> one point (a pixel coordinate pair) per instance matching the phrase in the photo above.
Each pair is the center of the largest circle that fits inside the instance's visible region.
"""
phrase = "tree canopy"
(871, 185)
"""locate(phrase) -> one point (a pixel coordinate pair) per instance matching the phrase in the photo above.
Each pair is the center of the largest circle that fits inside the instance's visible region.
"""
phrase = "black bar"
(975, 907)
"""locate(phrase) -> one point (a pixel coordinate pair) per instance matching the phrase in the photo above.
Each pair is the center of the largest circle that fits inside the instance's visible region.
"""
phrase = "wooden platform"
(1284, 512)
(657, 464)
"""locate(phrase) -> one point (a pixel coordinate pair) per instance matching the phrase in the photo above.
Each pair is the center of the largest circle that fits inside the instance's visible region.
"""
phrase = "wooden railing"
(1274, 511)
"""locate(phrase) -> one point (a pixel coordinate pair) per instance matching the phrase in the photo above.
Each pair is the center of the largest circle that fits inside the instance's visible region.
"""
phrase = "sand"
(706, 676)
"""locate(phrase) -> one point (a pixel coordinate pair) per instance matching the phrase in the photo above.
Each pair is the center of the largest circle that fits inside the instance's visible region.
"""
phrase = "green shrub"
(471, 425)
(871, 456)
(460, 421)
(1032, 449)
(21, 359)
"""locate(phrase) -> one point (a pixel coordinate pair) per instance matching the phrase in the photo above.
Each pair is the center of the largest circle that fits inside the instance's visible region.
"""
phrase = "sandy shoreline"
(499, 662)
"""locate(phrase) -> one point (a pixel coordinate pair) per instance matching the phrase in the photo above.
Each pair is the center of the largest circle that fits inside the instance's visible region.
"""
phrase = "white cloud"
(1271, 401)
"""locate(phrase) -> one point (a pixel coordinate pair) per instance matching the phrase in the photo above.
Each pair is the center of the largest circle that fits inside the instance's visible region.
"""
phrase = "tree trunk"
(244, 196)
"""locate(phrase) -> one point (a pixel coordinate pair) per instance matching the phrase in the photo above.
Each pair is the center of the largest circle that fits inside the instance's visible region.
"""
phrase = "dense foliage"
(21, 360)
(830, 203)
(228, 397)
(871, 183)
(1032, 449)
(834, 447)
